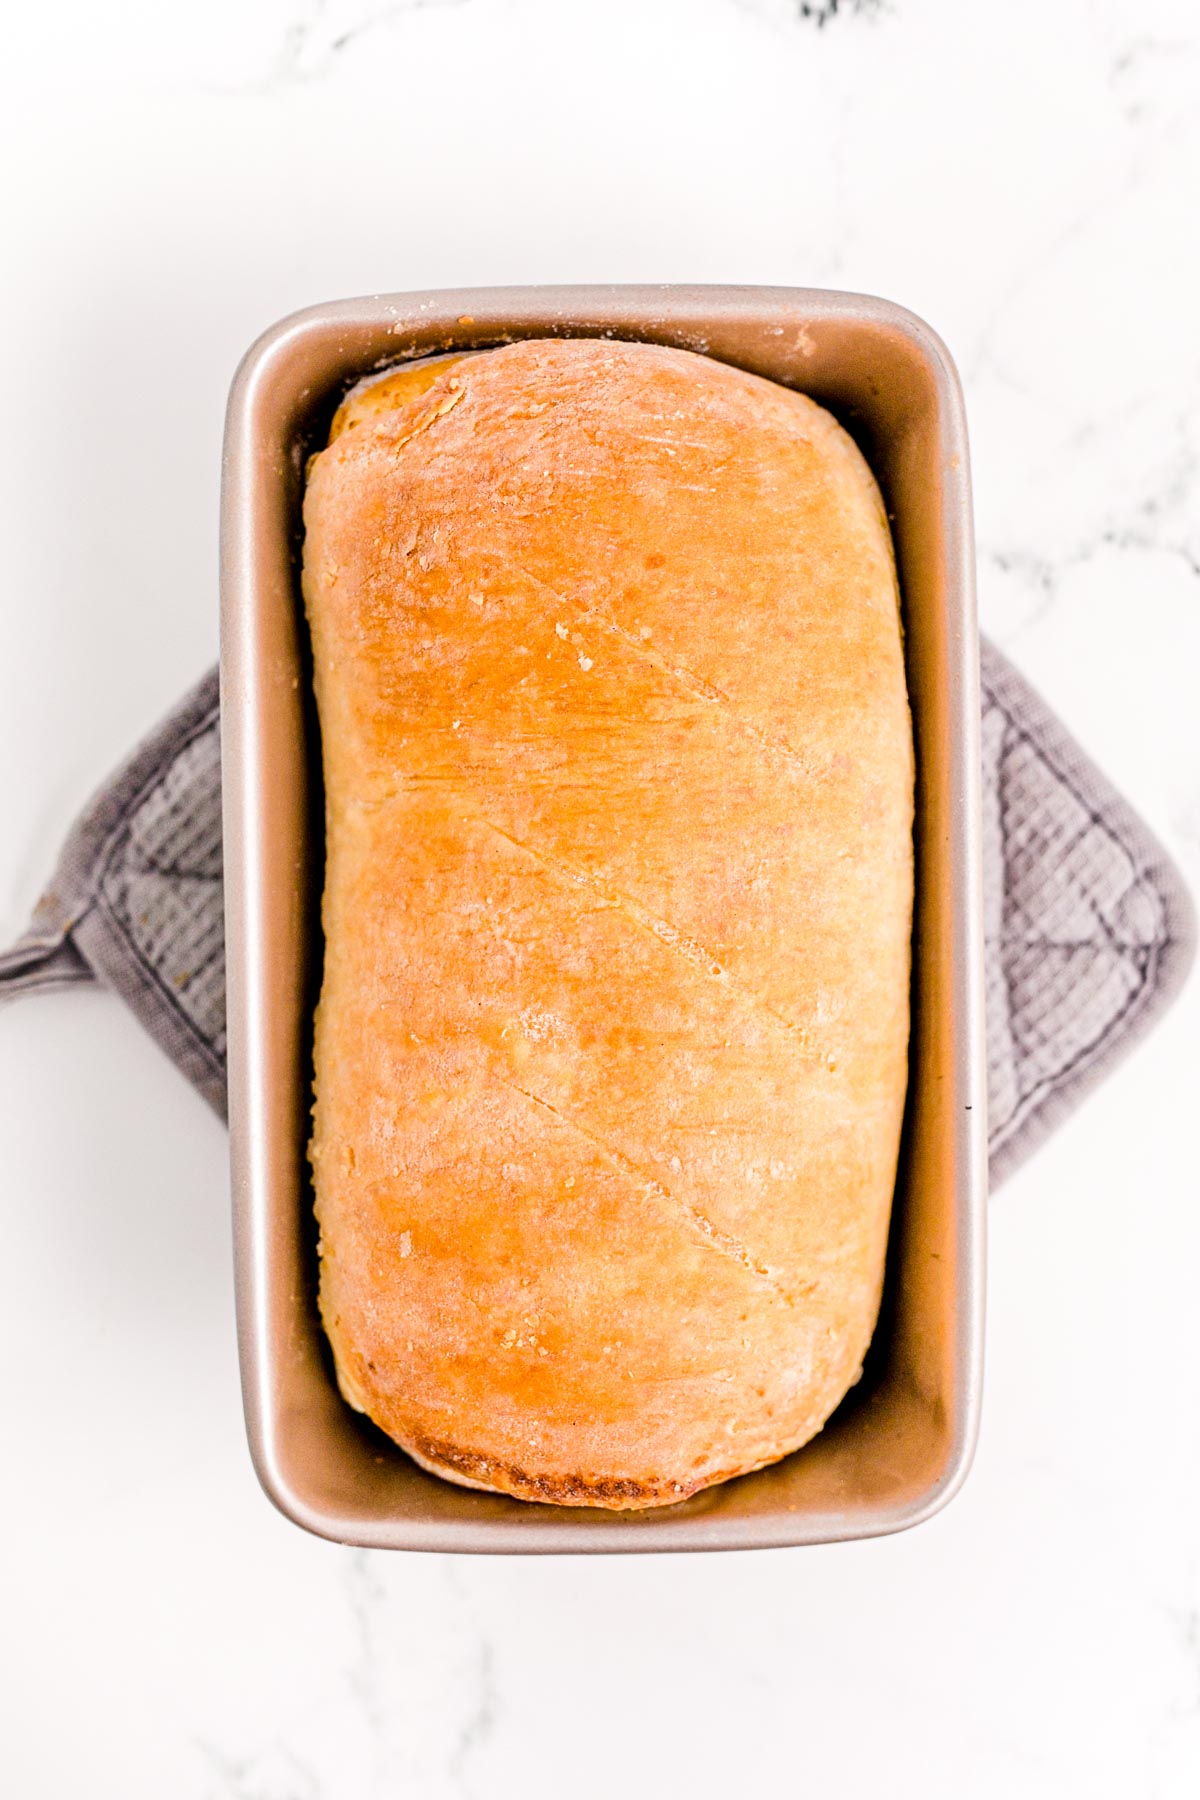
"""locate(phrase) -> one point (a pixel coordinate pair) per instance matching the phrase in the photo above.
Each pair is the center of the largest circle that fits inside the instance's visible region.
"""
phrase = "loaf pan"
(901, 1442)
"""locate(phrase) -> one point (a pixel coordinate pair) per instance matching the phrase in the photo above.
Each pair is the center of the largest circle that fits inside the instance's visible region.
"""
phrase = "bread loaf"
(611, 1047)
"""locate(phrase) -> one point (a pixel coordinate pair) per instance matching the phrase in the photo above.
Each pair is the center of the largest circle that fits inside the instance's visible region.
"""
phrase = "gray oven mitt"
(1089, 927)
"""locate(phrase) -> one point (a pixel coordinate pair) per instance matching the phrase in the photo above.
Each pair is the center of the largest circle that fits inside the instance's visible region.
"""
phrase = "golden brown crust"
(469, 1469)
(612, 1043)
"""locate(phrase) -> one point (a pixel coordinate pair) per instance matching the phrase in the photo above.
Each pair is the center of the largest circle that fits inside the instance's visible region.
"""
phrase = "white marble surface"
(1026, 176)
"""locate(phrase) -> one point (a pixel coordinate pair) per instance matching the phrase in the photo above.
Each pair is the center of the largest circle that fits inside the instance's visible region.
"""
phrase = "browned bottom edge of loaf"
(468, 1469)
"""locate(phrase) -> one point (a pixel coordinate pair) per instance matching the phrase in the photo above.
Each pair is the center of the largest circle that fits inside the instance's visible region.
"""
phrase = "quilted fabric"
(1089, 930)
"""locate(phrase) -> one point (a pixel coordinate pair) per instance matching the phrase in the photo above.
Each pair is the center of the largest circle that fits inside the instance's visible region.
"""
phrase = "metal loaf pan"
(900, 1444)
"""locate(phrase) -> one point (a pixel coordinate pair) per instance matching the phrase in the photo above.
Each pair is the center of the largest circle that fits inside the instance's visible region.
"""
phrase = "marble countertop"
(1026, 178)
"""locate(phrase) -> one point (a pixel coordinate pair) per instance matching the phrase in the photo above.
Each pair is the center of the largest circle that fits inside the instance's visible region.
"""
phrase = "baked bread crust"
(611, 1050)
